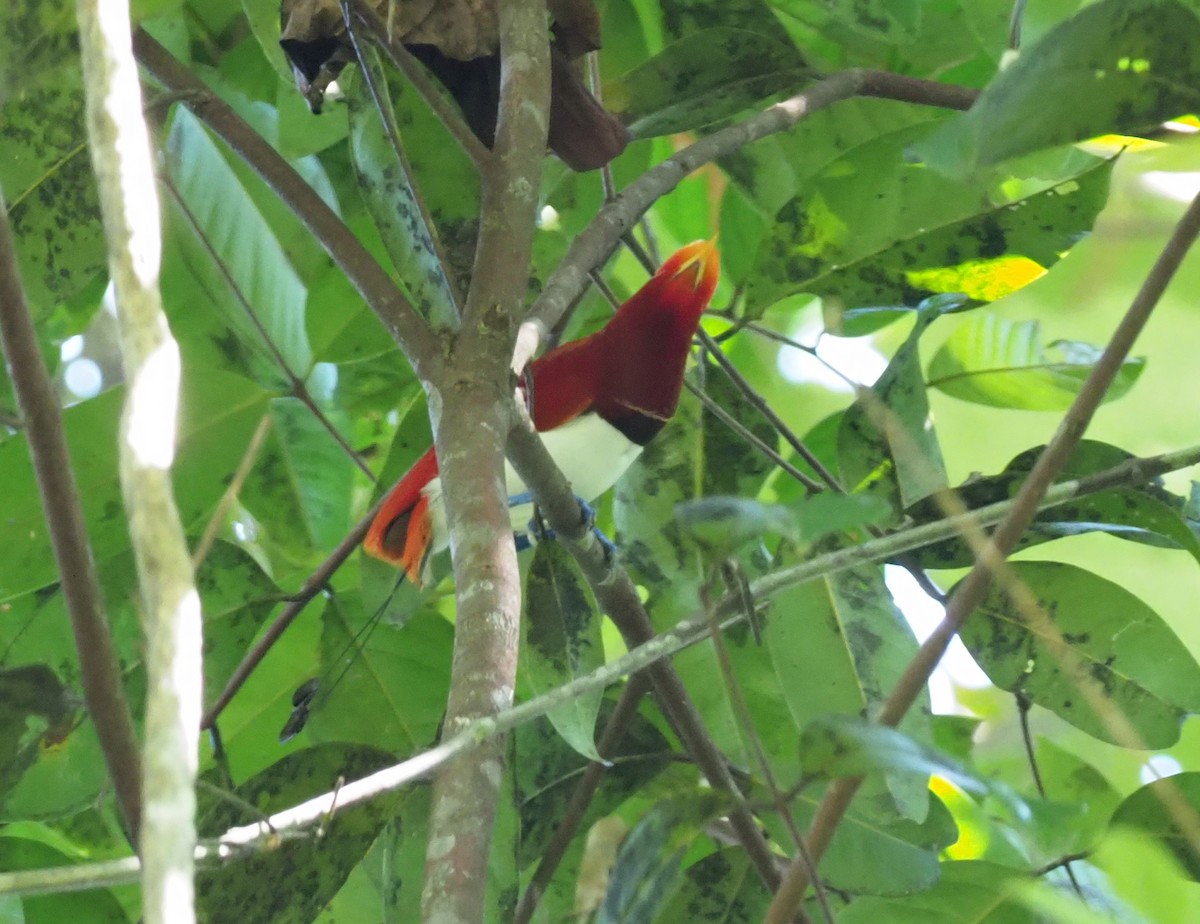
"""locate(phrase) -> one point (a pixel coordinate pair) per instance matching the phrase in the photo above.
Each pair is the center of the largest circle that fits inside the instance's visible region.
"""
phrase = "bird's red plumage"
(630, 373)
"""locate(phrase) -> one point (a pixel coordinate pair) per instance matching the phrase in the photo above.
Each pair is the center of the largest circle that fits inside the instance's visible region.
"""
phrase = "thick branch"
(970, 592)
(42, 422)
(469, 406)
(364, 271)
(120, 144)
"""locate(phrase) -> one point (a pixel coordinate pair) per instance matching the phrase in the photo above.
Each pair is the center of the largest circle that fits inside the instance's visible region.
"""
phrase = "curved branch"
(593, 246)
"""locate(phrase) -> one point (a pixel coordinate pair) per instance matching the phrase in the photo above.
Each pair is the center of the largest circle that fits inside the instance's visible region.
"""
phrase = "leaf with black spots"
(561, 641)
(1140, 675)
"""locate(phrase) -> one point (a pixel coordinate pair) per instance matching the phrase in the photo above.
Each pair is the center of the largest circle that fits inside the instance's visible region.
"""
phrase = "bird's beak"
(701, 262)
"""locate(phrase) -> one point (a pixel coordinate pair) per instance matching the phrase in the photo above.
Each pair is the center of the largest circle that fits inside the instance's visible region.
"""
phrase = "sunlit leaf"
(1116, 66)
(874, 231)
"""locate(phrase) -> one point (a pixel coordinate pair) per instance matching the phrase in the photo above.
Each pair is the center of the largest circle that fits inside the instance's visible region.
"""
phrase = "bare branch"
(120, 145)
(469, 406)
(42, 421)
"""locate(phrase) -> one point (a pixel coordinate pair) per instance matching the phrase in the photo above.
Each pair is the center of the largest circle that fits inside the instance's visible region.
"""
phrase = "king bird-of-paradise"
(596, 403)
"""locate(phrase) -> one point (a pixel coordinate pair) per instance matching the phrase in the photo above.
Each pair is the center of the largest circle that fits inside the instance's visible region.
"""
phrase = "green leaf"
(546, 768)
(1117, 66)
(237, 596)
(561, 641)
(707, 76)
(219, 413)
(842, 656)
(723, 887)
(235, 260)
(262, 887)
(874, 231)
(1001, 363)
(1146, 875)
(1157, 811)
(1146, 514)
(300, 487)
(392, 197)
(46, 173)
(968, 892)
(1138, 666)
(647, 870)
(874, 856)
(95, 905)
(835, 746)
(887, 444)
(401, 668)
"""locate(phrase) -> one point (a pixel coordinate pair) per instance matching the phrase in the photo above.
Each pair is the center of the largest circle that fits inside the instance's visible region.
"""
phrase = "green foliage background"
(842, 221)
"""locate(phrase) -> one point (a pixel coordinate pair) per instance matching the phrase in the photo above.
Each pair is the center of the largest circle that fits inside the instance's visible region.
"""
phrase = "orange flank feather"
(613, 390)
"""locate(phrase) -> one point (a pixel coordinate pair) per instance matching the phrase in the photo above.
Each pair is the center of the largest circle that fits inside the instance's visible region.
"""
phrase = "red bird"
(596, 402)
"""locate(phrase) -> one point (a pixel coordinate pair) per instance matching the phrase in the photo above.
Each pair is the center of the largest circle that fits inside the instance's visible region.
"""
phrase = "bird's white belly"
(591, 453)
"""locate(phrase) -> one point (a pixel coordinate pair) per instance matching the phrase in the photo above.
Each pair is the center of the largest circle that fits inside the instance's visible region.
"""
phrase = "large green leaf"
(1143, 675)
(386, 688)
(46, 173)
(1001, 363)
(95, 905)
(886, 442)
(705, 77)
(219, 412)
(874, 231)
(1165, 811)
(262, 888)
(235, 259)
(300, 488)
(838, 645)
(561, 641)
(647, 870)
(389, 189)
(1116, 66)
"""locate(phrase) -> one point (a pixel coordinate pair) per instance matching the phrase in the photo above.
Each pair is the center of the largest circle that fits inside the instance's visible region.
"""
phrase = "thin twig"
(217, 520)
(316, 582)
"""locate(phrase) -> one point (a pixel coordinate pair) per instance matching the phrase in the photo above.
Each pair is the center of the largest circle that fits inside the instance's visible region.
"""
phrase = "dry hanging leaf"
(458, 40)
